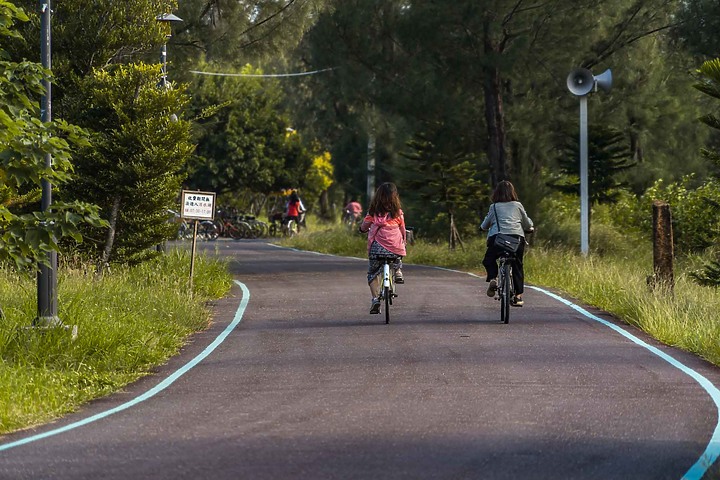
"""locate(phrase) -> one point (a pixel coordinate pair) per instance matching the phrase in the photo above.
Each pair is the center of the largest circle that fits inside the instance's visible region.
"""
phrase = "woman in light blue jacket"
(506, 215)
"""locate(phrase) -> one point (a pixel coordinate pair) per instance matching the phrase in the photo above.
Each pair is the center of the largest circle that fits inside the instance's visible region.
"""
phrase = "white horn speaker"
(604, 80)
(580, 82)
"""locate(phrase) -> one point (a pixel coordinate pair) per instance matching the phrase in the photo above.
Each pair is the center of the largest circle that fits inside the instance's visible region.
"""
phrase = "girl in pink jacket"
(385, 226)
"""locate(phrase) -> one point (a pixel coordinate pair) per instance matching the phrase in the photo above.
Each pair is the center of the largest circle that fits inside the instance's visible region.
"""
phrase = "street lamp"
(47, 274)
(581, 82)
(166, 18)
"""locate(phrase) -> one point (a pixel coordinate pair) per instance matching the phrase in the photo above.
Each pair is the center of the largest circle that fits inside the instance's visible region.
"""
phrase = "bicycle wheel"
(185, 232)
(209, 230)
(234, 232)
(388, 302)
(505, 294)
(245, 229)
(262, 229)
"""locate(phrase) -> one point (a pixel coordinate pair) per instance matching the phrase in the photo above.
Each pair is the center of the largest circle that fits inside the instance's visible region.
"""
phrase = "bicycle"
(207, 230)
(290, 227)
(505, 288)
(258, 227)
(275, 226)
(351, 220)
(387, 291)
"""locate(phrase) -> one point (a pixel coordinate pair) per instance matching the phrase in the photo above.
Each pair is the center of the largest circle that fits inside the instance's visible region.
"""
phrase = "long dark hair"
(504, 192)
(385, 200)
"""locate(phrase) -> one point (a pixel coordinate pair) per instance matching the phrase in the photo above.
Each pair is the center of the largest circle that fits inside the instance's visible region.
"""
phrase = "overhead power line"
(262, 75)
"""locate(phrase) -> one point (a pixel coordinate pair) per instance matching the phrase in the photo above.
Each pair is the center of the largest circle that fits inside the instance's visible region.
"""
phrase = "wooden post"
(662, 246)
(192, 254)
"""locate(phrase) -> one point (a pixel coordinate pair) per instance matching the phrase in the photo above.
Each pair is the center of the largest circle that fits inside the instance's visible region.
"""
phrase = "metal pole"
(584, 201)
(47, 275)
(163, 61)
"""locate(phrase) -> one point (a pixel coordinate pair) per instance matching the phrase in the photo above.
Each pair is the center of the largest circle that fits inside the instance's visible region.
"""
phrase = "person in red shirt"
(385, 226)
(353, 213)
(294, 208)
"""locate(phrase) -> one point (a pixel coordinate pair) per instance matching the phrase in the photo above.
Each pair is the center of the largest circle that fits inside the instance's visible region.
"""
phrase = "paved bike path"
(308, 385)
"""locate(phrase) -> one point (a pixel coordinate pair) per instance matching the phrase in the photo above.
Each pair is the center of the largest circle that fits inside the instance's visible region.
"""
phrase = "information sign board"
(198, 205)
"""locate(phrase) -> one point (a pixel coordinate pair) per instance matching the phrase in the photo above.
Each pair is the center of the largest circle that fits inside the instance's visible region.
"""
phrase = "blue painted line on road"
(712, 451)
(153, 391)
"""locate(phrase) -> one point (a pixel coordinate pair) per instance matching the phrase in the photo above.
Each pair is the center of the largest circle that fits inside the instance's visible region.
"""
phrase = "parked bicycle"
(275, 226)
(207, 230)
(258, 227)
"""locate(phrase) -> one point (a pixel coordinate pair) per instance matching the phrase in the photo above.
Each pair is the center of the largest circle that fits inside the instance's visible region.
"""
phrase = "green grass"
(615, 281)
(128, 322)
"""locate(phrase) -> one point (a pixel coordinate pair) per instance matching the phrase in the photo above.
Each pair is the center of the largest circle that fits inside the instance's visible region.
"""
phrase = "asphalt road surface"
(295, 380)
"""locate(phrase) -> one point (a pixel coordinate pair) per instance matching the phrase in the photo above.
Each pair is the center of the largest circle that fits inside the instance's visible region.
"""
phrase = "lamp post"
(581, 82)
(47, 274)
(166, 18)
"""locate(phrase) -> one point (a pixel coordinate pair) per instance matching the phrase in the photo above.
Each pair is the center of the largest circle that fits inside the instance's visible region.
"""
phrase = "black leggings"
(490, 262)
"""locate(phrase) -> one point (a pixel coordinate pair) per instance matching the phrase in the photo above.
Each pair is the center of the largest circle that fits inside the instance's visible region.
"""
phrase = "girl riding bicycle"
(508, 215)
(385, 225)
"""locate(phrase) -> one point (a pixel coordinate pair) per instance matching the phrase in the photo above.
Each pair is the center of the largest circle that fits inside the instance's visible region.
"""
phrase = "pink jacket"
(388, 232)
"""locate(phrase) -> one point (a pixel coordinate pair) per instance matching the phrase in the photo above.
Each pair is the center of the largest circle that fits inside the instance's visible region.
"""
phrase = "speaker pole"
(584, 201)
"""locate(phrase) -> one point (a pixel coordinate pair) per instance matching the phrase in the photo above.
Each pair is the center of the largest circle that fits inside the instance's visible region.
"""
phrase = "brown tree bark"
(662, 246)
(110, 238)
(494, 113)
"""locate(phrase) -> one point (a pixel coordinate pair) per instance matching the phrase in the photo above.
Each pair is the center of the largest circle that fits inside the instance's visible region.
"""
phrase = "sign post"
(196, 206)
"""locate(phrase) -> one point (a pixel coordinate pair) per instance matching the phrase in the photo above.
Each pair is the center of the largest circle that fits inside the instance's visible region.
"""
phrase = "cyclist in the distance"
(385, 226)
(513, 220)
(294, 207)
(353, 211)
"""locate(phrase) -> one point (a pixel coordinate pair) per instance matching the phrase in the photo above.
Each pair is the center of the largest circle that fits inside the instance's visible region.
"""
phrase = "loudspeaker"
(604, 80)
(580, 82)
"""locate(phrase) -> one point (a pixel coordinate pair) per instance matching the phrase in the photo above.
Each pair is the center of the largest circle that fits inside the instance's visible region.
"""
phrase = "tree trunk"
(110, 238)
(325, 212)
(495, 120)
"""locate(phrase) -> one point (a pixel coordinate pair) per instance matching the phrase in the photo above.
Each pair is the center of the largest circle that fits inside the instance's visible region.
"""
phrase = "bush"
(695, 219)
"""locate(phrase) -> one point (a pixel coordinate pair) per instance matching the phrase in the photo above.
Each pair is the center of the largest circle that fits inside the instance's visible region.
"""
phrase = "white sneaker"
(375, 306)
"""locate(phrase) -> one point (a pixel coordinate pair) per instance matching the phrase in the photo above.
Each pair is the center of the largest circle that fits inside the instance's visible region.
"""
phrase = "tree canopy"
(26, 234)
(133, 168)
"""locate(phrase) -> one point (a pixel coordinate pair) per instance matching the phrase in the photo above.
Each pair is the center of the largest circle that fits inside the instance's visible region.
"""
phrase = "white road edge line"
(153, 391)
(712, 451)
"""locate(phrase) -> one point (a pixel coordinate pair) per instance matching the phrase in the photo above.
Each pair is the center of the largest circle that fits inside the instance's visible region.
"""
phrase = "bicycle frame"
(386, 274)
(387, 291)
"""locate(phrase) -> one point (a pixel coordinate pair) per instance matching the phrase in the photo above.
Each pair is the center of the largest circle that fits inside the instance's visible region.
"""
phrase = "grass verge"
(688, 318)
(128, 322)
